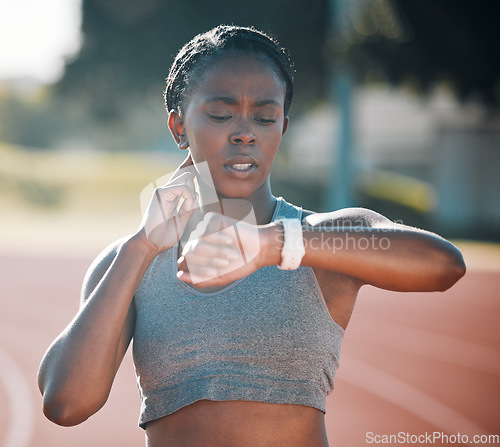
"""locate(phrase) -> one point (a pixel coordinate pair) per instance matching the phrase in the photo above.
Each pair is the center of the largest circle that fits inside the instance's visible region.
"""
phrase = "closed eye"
(219, 118)
(265, 120)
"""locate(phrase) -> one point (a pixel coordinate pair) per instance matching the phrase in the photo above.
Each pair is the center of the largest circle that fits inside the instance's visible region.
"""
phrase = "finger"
(183, 203)
(160, 204)
(215, 245)
(199, 231)
(186, 210)
(191, 186)
(170, 195)
(218, 240)
(186, 179)
(194, 278)
(214, 223)
(208, 256)
(203, 272)
(185, 276)
(222, 262)
(163, 211)
(206, 281)
(200, 250)
(205, 278)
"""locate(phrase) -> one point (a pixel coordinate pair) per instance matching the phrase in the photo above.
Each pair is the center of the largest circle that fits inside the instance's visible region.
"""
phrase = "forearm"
(80, 365)
(393, 259)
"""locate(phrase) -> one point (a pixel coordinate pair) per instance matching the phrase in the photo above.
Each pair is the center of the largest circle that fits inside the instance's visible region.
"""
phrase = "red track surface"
(411, 363)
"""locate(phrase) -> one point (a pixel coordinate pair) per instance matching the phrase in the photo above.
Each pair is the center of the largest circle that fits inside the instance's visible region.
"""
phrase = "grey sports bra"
(267, 337)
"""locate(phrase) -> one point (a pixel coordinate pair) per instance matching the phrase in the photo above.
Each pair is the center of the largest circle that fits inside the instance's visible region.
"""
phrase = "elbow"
(453, 269)
(69, 404)
(56, 404)
(62, 414)
(67, 412)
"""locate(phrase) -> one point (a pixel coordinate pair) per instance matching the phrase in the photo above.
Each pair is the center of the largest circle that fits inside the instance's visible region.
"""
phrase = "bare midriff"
(239, 424)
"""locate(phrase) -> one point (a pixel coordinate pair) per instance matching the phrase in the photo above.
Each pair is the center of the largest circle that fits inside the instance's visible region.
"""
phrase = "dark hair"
(217, 42)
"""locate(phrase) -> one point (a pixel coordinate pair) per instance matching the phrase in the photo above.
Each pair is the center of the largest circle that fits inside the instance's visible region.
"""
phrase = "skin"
(238, 111)
(246, 118)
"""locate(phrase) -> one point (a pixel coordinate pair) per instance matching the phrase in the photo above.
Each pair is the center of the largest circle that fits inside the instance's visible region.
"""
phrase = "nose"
(243, 135)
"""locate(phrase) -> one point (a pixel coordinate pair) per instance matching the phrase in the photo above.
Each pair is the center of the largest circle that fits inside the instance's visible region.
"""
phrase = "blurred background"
(396, 109)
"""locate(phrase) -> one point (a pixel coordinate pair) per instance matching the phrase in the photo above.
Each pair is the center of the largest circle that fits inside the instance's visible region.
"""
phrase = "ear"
(286, 120)
(177, 129)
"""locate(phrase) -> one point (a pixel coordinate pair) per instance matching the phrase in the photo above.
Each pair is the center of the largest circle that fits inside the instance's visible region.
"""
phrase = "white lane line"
(19, 403)
(407, 397)
(431, 345)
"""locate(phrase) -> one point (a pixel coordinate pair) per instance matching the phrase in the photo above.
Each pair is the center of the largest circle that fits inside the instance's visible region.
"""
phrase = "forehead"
(239, 76)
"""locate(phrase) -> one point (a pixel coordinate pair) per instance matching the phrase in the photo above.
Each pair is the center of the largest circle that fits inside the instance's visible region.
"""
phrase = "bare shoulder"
(99, 267)
(348, 218)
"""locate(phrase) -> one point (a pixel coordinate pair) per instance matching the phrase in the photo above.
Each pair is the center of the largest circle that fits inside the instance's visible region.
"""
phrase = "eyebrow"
(229, 100)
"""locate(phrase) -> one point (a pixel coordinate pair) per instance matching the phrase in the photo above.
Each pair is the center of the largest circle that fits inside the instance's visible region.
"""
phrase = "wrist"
(293, 247)
(140, 243)
(272, 240)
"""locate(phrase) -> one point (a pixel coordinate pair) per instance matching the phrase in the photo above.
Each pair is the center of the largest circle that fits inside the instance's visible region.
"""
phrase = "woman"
(237, 301)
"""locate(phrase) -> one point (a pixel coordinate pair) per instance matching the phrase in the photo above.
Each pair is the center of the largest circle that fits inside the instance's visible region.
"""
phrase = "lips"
(241, 166)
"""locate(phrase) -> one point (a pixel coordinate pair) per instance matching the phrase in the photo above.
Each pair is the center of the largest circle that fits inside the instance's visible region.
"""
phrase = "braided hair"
(193, 56)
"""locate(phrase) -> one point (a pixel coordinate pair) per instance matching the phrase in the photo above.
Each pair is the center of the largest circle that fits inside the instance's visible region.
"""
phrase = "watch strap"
(293, 247)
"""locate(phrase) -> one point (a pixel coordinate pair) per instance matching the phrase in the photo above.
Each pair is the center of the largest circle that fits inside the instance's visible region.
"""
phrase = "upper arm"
(94, 275)
(418, 260)
(349, 218)
(357, 218)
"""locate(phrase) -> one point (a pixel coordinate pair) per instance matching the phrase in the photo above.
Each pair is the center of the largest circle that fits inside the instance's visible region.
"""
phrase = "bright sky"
(36, 36)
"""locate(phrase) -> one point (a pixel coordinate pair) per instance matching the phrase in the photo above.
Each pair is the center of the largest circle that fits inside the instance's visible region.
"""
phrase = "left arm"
(366, 245)
(356, 242)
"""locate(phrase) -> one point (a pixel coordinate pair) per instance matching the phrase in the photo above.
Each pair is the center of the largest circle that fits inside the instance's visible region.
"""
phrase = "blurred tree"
(425, 42)
(118, 76)
(30, 120)
(129, 45)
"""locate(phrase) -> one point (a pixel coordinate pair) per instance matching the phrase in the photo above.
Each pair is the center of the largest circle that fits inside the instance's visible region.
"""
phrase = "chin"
(234, 194)
(235, 191)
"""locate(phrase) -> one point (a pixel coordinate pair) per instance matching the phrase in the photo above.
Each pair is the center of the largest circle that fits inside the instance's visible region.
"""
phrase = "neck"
(259, 206)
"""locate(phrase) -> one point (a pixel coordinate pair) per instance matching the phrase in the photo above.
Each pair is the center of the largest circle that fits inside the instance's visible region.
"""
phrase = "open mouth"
(242, 166)
(240, 170)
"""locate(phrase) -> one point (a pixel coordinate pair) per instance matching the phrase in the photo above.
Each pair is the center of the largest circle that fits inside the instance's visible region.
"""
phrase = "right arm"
(78, 369)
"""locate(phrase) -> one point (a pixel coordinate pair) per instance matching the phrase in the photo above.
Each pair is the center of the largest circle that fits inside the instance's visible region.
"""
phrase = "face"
(234, 121)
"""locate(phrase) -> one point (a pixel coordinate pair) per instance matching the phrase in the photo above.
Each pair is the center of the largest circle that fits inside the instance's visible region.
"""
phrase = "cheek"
(203, 142)
(273, 142)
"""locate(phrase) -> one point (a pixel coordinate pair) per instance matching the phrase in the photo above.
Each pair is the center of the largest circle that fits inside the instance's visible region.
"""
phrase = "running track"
(411, 363)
